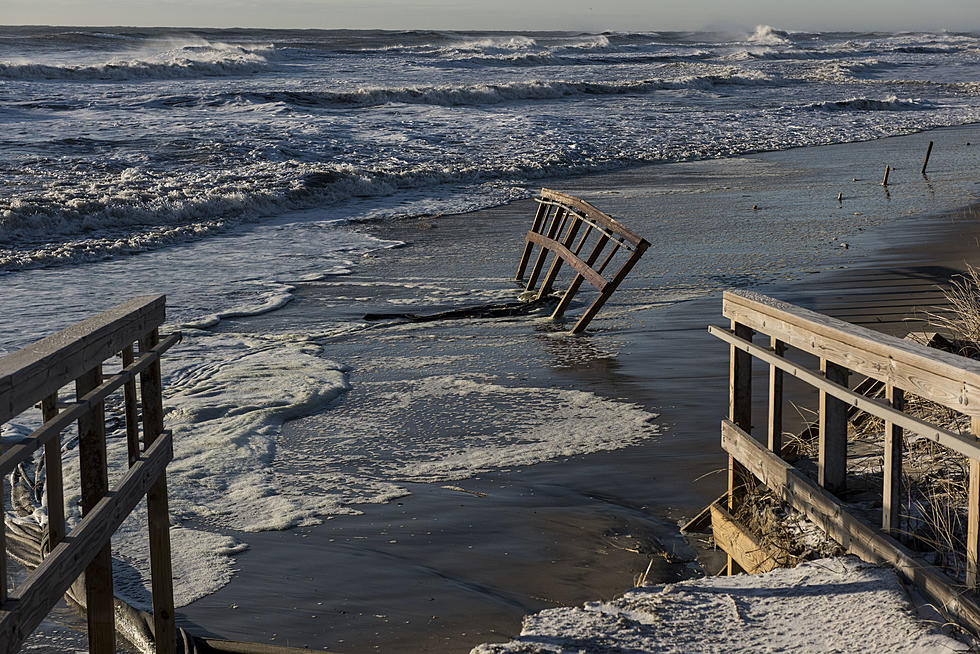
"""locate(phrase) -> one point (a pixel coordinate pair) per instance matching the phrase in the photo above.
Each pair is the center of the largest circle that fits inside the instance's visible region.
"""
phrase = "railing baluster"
(539, 217)
(832, 458)
(549, 278)
(973, 516)
(54, 484)
(891, 496)
(157, 508)
(556, 220)
(3, 543)
(95, 485)
(132, 410)
(776, 399)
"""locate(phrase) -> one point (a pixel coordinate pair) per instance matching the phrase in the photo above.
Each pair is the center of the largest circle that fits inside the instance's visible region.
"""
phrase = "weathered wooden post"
(95, 485)
(740, 413)
(973, 516)
(926, 162)
(157, 508)
(53, 478)
(832, 459)
(888, 169)
(891, 498)
(776, 399)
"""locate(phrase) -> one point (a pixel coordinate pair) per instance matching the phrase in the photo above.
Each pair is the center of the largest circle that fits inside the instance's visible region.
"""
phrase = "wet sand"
(459, 563)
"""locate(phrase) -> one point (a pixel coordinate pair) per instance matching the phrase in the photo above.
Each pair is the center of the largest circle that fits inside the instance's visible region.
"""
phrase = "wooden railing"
(557, 223)
(35, 375)
(840, 349)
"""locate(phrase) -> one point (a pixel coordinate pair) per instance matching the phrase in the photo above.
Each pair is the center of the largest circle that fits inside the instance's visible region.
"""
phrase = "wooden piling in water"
(926, 162)
(888, 169)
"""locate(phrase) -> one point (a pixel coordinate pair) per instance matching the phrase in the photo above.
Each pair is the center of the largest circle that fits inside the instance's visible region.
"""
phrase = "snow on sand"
(830, 605)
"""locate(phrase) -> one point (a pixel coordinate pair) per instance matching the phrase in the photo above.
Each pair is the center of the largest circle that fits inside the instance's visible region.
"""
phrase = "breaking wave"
(766, 35)
(891, 103)
(181, 63)
(470, 95)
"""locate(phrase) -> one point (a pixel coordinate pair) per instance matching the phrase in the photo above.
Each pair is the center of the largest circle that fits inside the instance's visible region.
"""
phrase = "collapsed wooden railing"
(557, 223)
(842, 348)
(35, 375)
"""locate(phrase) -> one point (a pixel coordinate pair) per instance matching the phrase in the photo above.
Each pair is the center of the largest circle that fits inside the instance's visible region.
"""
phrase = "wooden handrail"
(942, 377)
(35, 375)
(22, 450)
(901, 366)
(40, 369)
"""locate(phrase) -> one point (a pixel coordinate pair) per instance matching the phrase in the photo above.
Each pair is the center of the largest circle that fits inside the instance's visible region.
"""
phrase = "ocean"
(226, 168)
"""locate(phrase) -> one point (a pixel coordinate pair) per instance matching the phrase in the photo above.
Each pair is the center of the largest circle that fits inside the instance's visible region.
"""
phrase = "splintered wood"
(556, 229)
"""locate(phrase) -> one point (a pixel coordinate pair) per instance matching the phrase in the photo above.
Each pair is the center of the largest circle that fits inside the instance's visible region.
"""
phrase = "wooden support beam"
(744, 548)
(776, 398)
(794, 488)
(832, 456)
(891, 497)
(95, 486)
(157, 508)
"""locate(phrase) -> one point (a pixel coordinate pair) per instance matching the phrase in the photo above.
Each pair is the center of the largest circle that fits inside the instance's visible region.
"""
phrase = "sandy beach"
(455, 563)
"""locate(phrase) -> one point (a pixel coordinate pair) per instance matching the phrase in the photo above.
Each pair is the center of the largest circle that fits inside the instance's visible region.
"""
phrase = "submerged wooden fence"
(557, 223)
(840, 349)
(35, 375)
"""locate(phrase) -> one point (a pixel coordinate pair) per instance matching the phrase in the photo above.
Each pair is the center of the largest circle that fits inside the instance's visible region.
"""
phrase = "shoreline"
(689, 401)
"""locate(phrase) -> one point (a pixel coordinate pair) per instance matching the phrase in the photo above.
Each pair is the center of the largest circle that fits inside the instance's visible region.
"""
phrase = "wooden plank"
(157, 509)
(967, 446)
(53, 478)
(23, 450)
(948, 379)
(891, 496)
(973, 517)
(832, 450)
(131, 408)
(528, 246)
(822, 508)
(738, 543)
(776, 398)
(95, 486)
(43, 588)
(40, 369)
(588, 211)
(580, 266)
